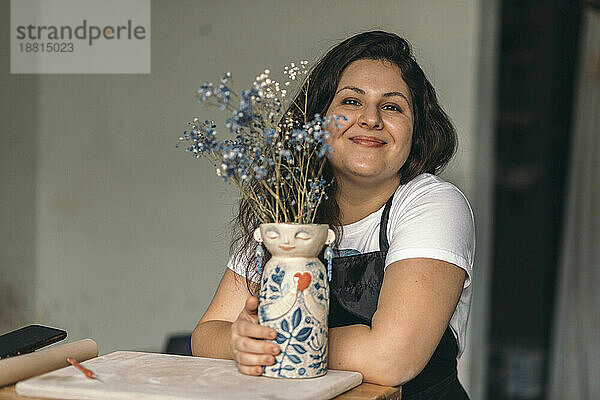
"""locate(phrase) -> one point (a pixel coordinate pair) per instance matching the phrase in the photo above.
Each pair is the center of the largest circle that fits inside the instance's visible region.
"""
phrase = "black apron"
(354, 292)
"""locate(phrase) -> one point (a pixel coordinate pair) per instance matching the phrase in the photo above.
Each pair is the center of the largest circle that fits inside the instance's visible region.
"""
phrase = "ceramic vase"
(294, 297)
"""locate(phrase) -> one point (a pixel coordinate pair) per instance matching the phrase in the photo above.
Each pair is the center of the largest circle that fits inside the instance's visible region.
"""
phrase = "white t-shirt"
(429, 218)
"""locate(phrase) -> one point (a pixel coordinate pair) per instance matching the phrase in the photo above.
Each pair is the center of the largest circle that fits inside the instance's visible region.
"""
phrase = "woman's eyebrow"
(389, 94)
(353, 88)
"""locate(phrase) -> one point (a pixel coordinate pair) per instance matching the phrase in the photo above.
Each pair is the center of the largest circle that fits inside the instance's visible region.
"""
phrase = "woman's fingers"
(251, 354)
(251, 309)
(251, 359)
(250, 329)
(252, 304)
(250, 370)
(249, 345)
(249, 349)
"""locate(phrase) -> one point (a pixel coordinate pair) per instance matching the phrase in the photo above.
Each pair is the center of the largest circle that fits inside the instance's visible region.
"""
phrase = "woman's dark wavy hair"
(434, 139)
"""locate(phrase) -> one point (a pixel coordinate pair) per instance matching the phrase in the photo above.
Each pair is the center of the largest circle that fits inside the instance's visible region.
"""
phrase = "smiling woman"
(401, 282)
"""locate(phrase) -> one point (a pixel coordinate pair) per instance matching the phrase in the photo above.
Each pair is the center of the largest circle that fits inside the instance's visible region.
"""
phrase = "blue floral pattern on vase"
(295, 302)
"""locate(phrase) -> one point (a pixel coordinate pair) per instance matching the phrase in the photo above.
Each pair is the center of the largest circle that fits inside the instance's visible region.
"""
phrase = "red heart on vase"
(302, 280)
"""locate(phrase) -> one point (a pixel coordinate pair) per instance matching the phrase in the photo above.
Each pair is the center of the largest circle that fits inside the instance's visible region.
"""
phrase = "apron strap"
(383, 240)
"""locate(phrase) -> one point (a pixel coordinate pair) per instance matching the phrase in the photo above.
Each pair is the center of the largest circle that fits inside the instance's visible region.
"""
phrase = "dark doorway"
(538, 52)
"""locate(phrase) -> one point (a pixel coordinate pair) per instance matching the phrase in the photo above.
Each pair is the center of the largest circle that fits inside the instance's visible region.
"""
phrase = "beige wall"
(18, 189)
(120, 236)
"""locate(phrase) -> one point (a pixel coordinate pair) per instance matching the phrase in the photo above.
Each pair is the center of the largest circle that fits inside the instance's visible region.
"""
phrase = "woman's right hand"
(249, 351)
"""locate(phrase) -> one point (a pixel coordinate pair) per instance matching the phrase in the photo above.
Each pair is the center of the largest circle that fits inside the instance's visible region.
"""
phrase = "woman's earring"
(328, 257)
(259, 255)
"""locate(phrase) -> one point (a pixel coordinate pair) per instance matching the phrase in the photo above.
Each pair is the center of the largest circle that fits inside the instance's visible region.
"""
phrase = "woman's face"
(375, 139)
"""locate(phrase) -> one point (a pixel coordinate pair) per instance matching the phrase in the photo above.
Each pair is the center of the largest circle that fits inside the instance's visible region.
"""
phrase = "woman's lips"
(367, 141)
(284, 247)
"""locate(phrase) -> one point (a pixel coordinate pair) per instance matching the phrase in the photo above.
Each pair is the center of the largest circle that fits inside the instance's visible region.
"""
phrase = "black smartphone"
(28, 339)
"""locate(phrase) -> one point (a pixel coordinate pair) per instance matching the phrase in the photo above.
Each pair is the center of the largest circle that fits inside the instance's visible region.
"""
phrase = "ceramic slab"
(134, 375)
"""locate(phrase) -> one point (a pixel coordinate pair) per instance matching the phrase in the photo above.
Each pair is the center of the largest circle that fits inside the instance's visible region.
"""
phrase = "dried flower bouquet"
(276, 159)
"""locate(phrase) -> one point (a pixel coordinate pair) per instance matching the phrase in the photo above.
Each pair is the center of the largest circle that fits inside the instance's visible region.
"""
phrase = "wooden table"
(366, 391)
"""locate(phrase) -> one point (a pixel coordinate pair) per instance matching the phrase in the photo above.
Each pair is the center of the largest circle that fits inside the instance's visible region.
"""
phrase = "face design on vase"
(294, 240)
(375, 138)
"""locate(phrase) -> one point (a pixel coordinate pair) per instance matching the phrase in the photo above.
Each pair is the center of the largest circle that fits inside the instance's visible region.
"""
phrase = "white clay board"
(149, 376)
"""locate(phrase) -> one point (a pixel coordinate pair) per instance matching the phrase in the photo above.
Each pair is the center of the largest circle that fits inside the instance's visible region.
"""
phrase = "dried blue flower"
(276, 161)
